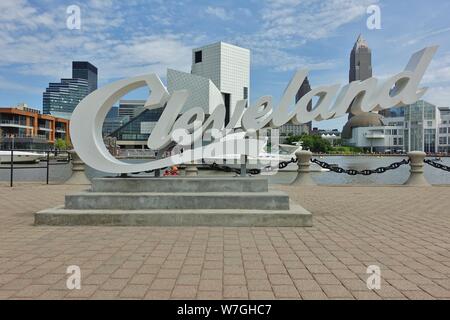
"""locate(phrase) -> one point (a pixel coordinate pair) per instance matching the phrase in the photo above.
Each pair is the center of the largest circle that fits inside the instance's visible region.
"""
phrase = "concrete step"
(272, 200)
(296, 216)
(181, 184)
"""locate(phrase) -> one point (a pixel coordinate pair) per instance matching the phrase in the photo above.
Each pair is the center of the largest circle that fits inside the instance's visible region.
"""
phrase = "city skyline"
(282, 36)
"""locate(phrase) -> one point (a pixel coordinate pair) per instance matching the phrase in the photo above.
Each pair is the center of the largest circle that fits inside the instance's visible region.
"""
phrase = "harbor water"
(61, 173)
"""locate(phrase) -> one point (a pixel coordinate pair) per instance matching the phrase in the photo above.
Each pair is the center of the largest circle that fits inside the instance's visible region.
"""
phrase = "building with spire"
(360, 70)
(360, 61)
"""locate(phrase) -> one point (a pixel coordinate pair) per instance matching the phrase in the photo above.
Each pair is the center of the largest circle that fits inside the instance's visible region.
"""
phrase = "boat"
(20, 157)
(265, 161)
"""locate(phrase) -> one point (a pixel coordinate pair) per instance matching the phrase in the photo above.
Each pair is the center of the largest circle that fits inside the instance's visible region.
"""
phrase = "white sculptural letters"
(369, 95)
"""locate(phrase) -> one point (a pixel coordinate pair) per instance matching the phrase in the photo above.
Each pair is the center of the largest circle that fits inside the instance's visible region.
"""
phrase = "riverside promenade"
(403, 230)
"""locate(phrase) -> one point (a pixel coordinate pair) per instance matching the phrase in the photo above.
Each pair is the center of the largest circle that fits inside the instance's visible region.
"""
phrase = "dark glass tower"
(87, 71)
(360, 61)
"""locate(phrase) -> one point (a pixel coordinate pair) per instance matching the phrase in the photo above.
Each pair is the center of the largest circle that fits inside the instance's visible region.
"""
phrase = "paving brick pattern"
(404, 230)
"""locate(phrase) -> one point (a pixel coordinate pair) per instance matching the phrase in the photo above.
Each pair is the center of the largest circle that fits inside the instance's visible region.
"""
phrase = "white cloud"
(412, 39)
(439, 95)
(287, 25)
(219, 12)
(37, 47)
(439, 70)
(310, 19)
(18, 15)
(8, 85)
(437, 78)
(281, 61)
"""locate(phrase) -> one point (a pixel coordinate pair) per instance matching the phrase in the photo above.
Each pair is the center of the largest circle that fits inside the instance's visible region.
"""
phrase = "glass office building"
(131, 108)
(135, 133)
(87, 71)
(421, 125)
(61, 98)
(393, 112)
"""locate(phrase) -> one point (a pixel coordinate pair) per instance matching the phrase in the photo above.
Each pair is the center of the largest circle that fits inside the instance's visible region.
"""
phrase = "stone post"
(416, 177)
(191, 170)
(78, 175)
(303, 173)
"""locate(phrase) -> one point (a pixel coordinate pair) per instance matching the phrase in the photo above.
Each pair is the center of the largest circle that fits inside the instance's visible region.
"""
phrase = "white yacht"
(20, 157)
(265, 161)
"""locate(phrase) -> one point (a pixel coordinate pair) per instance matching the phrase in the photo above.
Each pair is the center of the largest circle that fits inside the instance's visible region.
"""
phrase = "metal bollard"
(243, 166)
(191, 170)
(416, 177)
(78, 174)
(303, 173)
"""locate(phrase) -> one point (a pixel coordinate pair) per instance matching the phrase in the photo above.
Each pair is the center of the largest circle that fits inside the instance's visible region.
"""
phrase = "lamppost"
(12, 140)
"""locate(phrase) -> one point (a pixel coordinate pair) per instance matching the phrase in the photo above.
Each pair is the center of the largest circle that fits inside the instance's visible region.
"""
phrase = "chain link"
(217, 167)
(367, 172)
(437, 165)
(284, 164)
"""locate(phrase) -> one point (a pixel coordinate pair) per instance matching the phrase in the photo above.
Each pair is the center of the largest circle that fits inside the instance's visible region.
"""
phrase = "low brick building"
(22, 127)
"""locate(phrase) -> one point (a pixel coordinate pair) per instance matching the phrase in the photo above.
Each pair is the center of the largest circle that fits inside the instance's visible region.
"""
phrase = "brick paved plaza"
(406, 231)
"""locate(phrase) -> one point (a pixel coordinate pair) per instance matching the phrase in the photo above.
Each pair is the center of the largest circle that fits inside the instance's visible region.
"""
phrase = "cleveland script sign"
(334, 101)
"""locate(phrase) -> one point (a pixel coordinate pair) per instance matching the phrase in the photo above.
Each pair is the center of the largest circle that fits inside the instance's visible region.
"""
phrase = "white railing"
(15, 123)
(136, 153)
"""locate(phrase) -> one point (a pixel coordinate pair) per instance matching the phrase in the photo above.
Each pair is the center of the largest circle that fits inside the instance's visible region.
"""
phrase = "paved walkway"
(405, 231)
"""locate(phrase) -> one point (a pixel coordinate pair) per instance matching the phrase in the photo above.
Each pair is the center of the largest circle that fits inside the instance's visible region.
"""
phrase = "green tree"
(60, 144)
(314, 143)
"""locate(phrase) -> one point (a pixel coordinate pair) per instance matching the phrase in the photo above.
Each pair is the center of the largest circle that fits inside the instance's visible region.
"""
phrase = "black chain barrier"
(284, 164)
(217, 167)
(367, 172)
(332, 168)
(437, 165)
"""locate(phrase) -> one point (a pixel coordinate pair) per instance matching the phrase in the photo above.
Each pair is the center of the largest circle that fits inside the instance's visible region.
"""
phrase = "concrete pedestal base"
(178, 201)
(78, 171)
(296, 216)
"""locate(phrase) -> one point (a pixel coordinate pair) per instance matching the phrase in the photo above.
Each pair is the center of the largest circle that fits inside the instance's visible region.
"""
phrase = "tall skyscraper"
(360, 70)
(61, 98)
(228, 67)
(87, 71)
(360, 61)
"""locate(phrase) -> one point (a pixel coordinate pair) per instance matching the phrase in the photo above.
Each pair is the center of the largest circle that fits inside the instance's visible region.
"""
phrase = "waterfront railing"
(49, 157)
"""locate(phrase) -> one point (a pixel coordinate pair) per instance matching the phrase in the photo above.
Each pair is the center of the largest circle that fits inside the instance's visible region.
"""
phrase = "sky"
(134, 37)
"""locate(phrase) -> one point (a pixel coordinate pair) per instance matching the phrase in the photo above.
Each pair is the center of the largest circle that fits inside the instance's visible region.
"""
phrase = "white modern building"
(417, 127)
(383, 138)
(228, 67)
(220, 76)
(203, 92)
